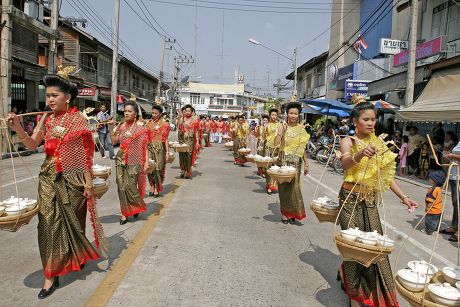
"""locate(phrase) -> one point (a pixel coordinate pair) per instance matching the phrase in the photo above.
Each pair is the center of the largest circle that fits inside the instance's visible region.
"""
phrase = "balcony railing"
(225, 107)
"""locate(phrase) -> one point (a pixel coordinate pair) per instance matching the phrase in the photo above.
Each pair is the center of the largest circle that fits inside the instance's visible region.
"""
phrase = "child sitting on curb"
(433, 201)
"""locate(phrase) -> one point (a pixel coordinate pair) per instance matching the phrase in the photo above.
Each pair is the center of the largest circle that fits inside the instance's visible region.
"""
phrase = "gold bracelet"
(353, 159)
(403, 198)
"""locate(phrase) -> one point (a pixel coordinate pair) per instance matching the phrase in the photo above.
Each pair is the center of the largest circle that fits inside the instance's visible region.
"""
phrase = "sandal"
(447, 231)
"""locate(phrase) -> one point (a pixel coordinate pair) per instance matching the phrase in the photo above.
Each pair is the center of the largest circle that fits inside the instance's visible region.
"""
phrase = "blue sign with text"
(355, 87)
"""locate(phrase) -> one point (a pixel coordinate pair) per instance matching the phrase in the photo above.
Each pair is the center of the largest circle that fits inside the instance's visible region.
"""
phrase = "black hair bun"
(66, 86)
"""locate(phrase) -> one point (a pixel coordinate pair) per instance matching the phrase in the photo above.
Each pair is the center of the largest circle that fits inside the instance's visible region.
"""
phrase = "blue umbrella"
(324, 111)
(328, 103)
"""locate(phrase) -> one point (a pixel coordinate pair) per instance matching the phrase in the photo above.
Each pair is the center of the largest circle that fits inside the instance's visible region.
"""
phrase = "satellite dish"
(184, 79)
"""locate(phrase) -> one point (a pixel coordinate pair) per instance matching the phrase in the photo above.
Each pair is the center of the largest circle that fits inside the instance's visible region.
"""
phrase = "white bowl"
(15, 209)
(12, 201)
(413, 281)
(28, 203)
(385, 241)
(451, 275)
(350, 234)
(423, 267)
(367, 239)
(444, 294)
(98, 182)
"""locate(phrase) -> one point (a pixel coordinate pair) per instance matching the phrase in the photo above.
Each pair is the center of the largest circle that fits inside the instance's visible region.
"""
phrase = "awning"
(394, 82)
(439, 101)
(145, 105)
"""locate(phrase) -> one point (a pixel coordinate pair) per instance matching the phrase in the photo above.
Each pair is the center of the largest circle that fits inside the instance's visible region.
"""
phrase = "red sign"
(424, 50)
(120, 98)
(87, 91)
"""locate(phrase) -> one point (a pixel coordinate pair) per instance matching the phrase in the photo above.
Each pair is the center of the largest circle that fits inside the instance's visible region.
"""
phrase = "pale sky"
(282, 32)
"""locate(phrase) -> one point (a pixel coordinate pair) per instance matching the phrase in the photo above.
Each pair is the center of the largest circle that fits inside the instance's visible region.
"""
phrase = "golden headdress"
(133, 98)
(357, 99)
(64, 72)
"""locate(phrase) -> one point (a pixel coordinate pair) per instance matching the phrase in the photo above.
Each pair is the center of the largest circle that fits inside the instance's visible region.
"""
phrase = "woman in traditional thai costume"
(188, 134)
(240, 132)
(270, 148)
(261, 142)
(369, 171)
(207, 130)
(292, 138)
(158, 148)
(131, 163)
(65, 184)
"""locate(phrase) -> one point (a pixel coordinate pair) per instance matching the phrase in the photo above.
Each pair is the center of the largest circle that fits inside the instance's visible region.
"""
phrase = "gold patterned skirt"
(371, 286)
(291, 200)
(187, 159)
(61, 223)
(131, 201)
(270, 183)
(157, 152)
(237, 144)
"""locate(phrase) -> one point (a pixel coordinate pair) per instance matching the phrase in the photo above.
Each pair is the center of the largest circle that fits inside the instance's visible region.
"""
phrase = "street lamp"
(294, 91)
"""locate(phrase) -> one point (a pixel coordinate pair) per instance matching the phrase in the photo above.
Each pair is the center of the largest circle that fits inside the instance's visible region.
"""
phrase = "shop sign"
(423, 51)
(87, 91)
(359, 87)
(337, 81)
(392, 46)
(105, 93)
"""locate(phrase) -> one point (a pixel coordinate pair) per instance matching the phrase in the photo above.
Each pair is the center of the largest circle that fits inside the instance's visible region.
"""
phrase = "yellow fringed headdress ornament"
(64, 72)
(133, 98)
(357, 99)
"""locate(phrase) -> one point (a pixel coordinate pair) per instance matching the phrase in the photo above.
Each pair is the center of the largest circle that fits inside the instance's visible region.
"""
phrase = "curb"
(20, 153)
(414, 182)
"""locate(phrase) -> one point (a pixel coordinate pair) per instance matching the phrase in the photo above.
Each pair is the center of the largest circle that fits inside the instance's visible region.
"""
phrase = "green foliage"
(273, 103)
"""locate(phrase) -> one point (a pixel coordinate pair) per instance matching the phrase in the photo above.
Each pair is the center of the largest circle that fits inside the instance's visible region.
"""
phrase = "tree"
(273, 103)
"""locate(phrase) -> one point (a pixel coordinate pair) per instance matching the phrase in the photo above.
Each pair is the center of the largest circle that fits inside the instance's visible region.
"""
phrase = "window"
(203, 100)
(88, 62)
(440, 23)
(194, 98)
(125, 75)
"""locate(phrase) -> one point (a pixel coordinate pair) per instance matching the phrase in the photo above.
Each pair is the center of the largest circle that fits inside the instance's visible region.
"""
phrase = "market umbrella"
(328, 111)
(381, 104)
(328, 103)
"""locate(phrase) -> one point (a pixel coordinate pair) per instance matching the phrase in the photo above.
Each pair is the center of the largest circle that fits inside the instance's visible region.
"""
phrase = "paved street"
(216, 240)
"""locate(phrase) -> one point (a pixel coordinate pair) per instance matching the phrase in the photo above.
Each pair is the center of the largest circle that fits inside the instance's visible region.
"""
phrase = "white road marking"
(19, 181)
(398, 232)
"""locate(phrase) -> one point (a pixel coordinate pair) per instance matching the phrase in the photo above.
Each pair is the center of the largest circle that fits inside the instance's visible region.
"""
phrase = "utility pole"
(114, 89)
(5, 68)
(412, 55)
(54, 26)
(176, 84)
(294, 92)
(160, 81)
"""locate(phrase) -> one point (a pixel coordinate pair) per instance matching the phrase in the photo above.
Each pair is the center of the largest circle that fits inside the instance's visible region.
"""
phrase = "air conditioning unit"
(34, 9)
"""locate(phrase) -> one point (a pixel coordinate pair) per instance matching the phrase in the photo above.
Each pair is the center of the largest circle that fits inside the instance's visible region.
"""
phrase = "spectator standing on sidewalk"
(424, 162)
(433, 202)
(454, 190)
(104, 137)
(414, 146)
(403, 157)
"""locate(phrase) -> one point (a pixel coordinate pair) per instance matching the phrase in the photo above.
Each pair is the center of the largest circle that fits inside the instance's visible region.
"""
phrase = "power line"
(262, 6)
(86, 10)
(362, 26)
(325, 31)
(169, 35)
(245, 10)
(149, 24)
